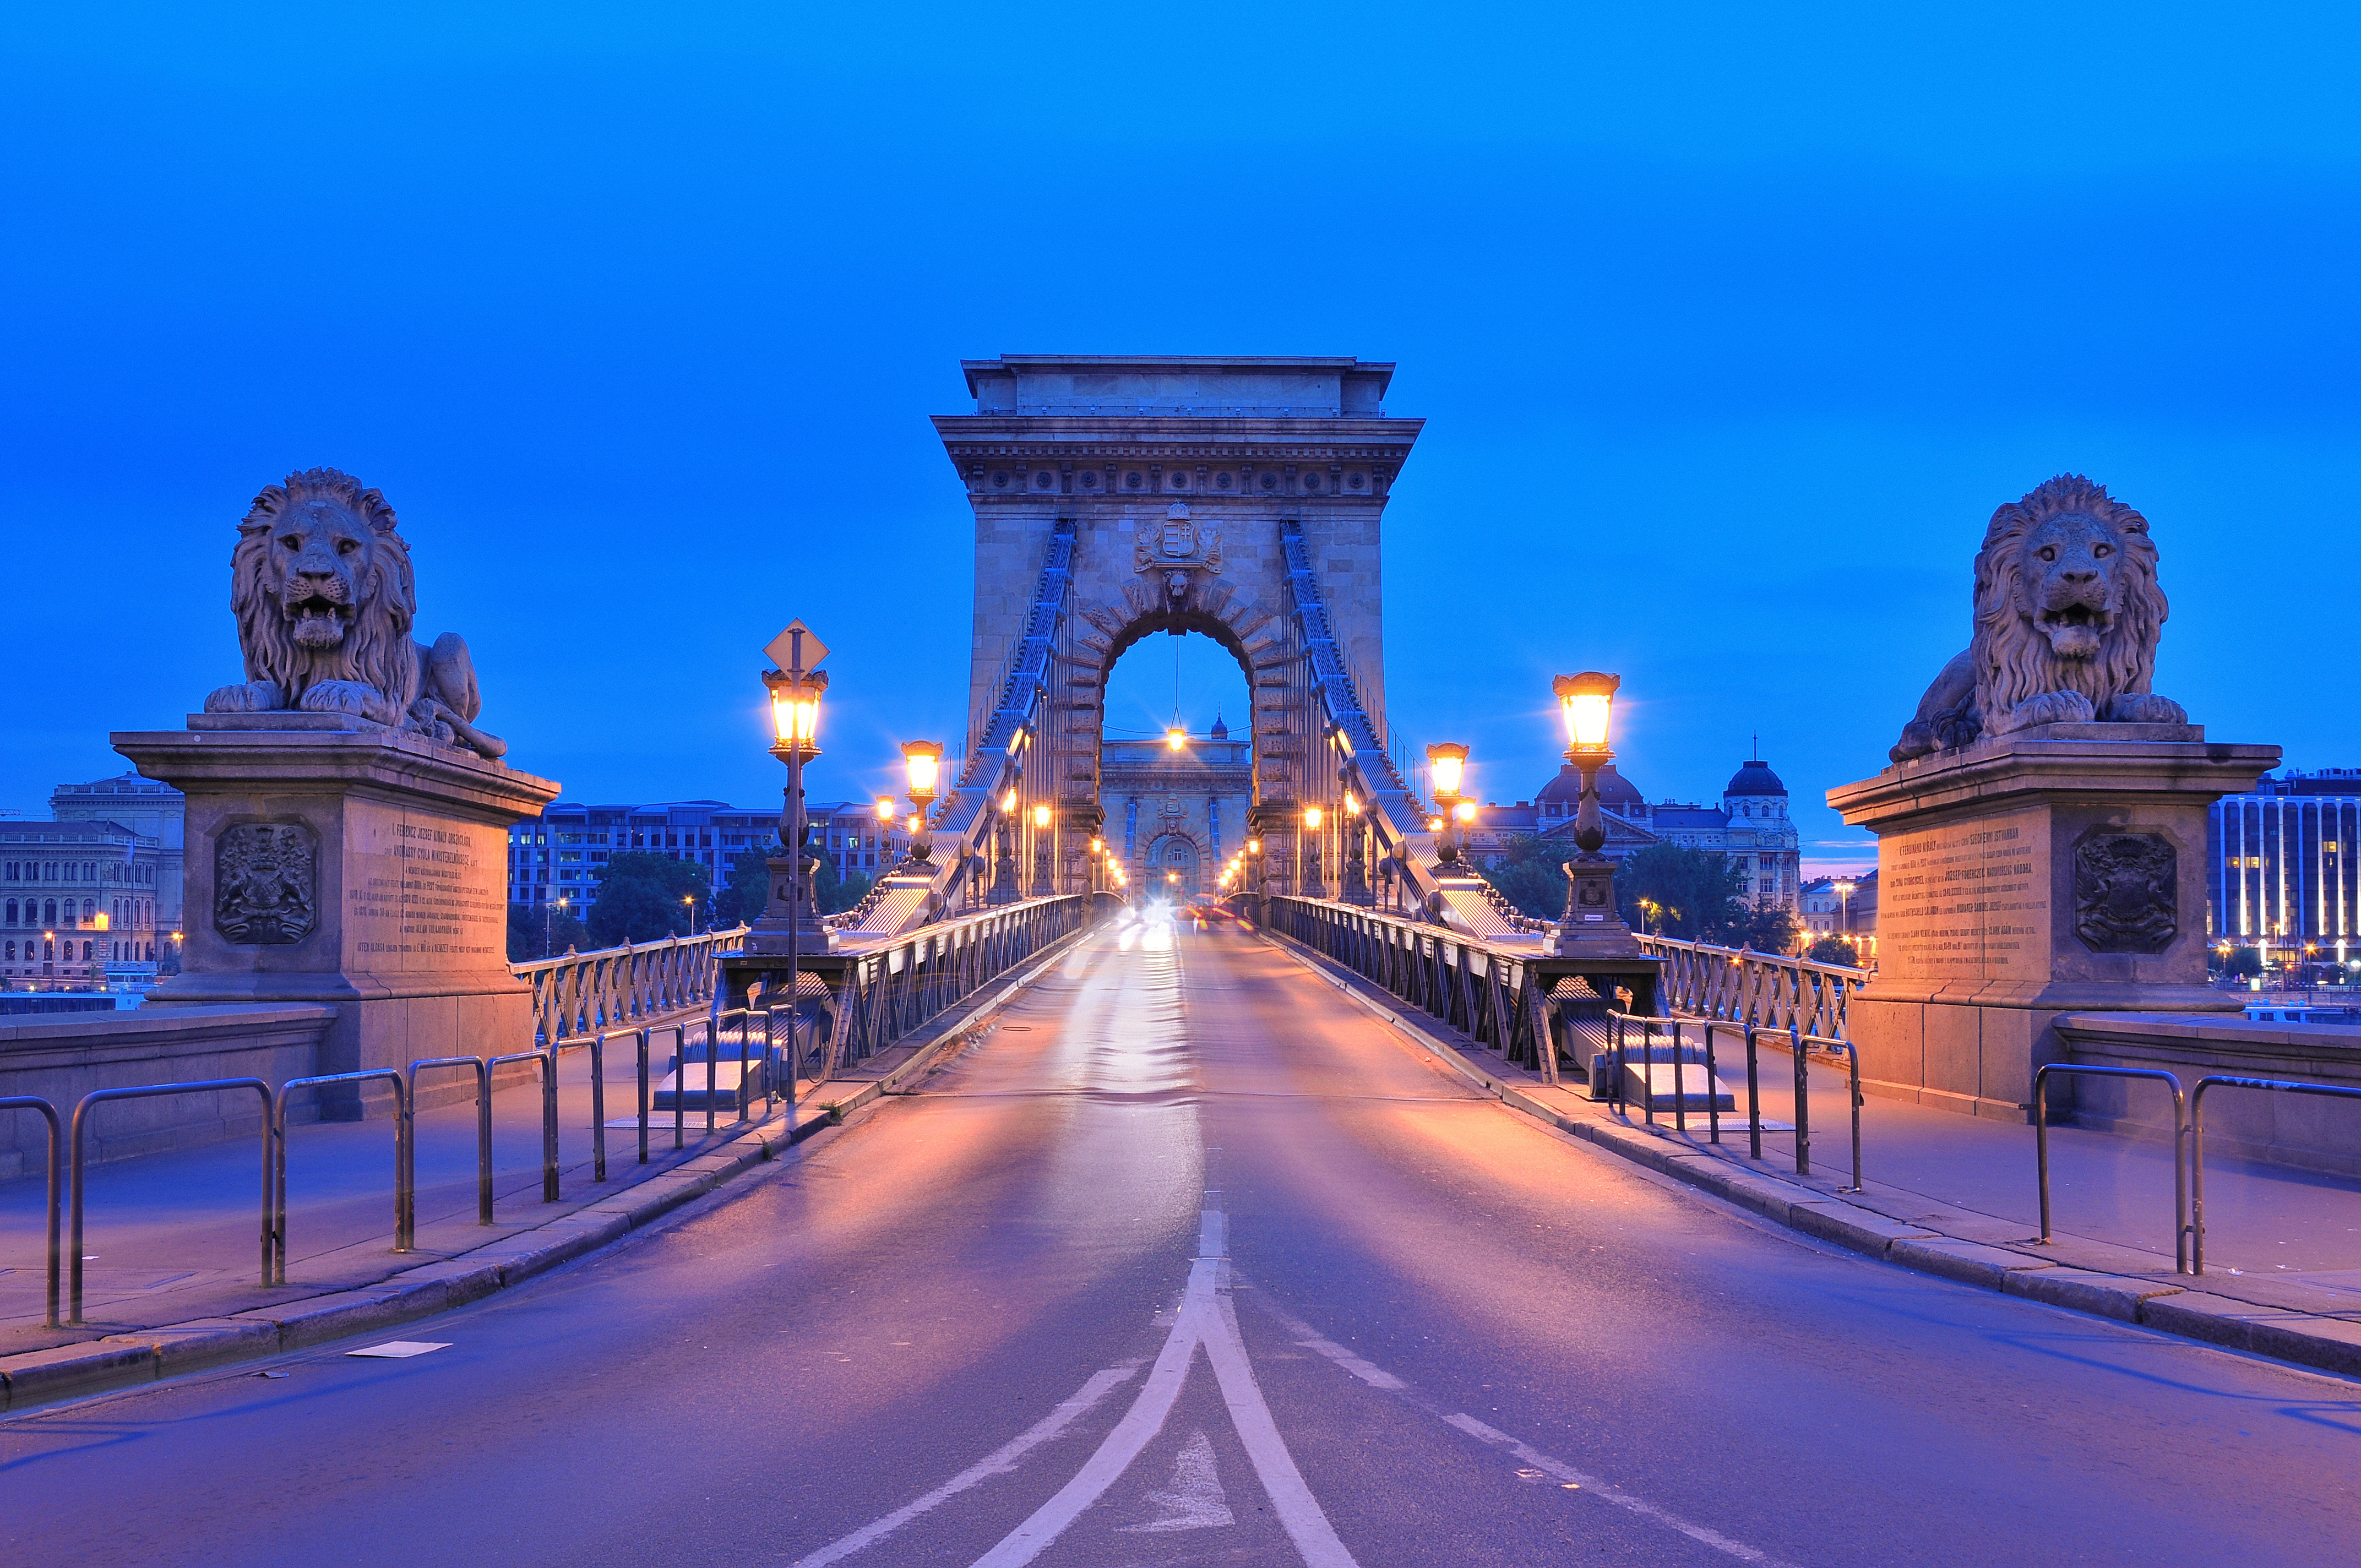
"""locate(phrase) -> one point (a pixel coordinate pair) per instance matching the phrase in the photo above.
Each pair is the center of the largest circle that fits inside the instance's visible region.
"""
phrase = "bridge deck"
(1431, 1331)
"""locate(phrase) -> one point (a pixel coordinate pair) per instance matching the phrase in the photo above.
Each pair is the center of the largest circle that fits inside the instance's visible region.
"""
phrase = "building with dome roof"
(1750, 826)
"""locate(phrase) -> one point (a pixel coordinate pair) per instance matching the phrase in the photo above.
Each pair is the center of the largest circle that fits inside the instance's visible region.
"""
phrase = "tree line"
(1665, 889)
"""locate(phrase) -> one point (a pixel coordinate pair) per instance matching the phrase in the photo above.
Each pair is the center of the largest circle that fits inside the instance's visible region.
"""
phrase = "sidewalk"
(175, 1237)
(173, 1241)
(2106, 1189)
(1957, 1196)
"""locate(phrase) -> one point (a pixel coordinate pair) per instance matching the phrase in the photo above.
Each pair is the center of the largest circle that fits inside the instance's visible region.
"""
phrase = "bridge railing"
(873, 996)
(1741, 986)
(610, 988)
(1507, 1000)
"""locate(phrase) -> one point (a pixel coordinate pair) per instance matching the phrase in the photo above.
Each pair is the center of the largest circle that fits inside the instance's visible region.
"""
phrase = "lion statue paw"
(2143, 707)
(254, 696)
(2052, 708)
(357, 699)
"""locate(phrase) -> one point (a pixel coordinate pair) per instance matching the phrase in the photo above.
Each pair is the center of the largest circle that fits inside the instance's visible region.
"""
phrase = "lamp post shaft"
(795, 847)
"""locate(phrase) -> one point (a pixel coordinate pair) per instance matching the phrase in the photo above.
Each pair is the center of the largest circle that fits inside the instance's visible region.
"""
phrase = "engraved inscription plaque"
(2127, 892)
(1962, 902)
(266, 882)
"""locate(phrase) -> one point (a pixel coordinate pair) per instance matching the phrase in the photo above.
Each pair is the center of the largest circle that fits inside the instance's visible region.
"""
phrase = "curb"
(117, 1361)
(2306, 1339)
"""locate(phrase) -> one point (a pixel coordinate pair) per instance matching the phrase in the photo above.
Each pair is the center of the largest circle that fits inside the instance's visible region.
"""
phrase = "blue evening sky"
(1731, 326)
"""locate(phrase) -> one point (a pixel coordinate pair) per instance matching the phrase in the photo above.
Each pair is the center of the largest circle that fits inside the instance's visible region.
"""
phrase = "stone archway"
(1175, 866)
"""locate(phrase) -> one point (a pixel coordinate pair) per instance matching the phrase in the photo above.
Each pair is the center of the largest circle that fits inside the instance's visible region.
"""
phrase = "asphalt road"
(1191, 1263)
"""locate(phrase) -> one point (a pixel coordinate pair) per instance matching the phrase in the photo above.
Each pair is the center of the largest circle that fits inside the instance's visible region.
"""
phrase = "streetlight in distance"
(1043, 848)
(922, 763)
(688, 901)
(1313, 886)
(1447, 764)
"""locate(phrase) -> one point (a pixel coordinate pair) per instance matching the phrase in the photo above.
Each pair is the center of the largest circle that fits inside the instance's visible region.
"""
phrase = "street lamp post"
(1003, 876)
(789, 920)
(885, 814)
(1591, 924)
(1261, 882)
(1312, 885)
(1044, 849)
(689, 900)
(922, 760)
(1098, 864)
(1447, 764)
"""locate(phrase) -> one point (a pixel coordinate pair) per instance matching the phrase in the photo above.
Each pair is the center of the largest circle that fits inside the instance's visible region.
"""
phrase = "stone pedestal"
(337, 861)
(2059, 869)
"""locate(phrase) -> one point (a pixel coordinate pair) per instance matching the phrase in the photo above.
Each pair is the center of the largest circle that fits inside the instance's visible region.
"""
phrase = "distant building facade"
(74, 898)
(1849, 910)
(1175, 816)
(564, 854)
(151, 810)
(1750, 826)
(2280, 862)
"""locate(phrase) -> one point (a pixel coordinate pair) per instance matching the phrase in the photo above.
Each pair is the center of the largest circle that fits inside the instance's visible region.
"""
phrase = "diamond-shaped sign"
(797, 648)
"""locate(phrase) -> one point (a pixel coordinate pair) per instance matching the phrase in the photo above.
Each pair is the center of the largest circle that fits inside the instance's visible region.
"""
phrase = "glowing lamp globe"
(1587, 705)
(1447, 764)
(923, 759)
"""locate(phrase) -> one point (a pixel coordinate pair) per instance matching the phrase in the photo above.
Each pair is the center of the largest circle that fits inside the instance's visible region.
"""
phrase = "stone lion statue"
(320, 584)
(2067, 616)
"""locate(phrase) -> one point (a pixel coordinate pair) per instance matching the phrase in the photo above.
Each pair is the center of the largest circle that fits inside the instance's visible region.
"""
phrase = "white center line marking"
(1377, 1378)
(999, 1462)
(1202, 1319)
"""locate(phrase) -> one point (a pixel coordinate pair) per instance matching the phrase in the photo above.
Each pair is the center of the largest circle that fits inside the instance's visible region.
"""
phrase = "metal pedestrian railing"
(1800, 1045)
(623, 987)
(863, 1002)
(1505, 1001)
(483, 1072)
(80, 1125)
(2181, 1236)
(2197, 1145)
(1739, 986)
(405, 1167)
(57, 1148)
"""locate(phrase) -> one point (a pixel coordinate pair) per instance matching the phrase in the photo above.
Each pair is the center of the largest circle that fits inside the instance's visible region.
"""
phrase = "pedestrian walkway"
(171, 1237)
(2275, 1236)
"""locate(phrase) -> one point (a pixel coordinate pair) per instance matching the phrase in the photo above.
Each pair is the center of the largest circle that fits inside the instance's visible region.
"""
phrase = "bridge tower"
(1120, 495)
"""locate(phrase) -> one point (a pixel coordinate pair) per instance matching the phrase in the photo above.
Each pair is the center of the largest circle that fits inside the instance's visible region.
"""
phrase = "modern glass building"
(2279, 864)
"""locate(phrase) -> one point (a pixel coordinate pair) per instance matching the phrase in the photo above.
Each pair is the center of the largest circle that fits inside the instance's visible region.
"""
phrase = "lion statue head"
(2068, 613)
(320, 584)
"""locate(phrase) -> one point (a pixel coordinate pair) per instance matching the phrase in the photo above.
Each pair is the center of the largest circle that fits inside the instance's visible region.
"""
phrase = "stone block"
(39, 1376)
(1848, 1226)
(319, 1319)
(2117, 1296)
(2332, 1344)
(1968, 1262)
(207, 1341)
(1954, 1037)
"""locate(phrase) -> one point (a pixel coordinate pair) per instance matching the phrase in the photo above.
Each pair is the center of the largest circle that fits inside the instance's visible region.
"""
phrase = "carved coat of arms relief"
(1178, 548)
